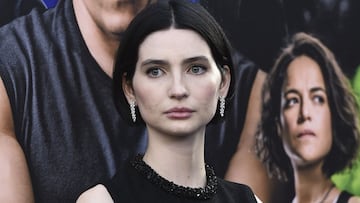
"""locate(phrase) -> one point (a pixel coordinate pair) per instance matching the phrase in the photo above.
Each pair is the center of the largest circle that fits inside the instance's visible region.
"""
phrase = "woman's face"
(305, 115)
(176, 83)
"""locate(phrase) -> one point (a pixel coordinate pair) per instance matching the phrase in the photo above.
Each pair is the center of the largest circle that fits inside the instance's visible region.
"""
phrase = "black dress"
(132, 186)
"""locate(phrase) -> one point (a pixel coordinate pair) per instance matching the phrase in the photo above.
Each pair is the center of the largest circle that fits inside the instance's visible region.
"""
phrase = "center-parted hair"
(342, 104)
(159, 16)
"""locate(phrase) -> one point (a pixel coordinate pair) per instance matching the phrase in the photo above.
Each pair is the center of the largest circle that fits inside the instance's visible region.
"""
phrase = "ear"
(128, 89)
(225, 82)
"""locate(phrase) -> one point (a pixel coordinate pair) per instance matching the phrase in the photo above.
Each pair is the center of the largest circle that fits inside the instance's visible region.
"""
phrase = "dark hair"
(158, 16)
(342, 104)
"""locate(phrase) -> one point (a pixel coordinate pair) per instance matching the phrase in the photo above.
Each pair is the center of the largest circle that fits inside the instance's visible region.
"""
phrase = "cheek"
(207, 95)
(146, 95)
(143, 97)
(325, 123)
(288, 125)
(327, 126)
(327, 118)
(287, 122)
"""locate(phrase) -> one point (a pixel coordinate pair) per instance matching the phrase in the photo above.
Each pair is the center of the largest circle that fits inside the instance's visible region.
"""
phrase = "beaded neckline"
(185, 192)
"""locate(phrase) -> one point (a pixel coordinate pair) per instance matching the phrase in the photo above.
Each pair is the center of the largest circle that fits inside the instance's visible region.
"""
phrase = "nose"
(178, 89)
(304, 114)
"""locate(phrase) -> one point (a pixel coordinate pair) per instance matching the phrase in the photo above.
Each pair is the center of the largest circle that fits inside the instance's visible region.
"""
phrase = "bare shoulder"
(97, 193)
(6, 119)
(354, 199)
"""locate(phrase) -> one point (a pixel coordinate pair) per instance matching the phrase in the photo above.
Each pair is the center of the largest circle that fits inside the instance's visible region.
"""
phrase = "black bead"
(184, 192)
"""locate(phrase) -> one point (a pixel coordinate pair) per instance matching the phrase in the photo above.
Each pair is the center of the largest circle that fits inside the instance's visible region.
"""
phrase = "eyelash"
(150, 71)
(294, 100)
(288, 101)
(321, 99)
(201, 69)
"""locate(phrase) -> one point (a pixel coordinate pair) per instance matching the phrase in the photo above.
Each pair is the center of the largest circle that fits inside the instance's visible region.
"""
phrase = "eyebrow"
(154, 61)
(196, 58)
(312, 90)
(164, 62)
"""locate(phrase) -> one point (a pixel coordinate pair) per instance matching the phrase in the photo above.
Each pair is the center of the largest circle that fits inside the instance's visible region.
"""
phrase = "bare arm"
(245, 167)
(95, 194)
(15, 183)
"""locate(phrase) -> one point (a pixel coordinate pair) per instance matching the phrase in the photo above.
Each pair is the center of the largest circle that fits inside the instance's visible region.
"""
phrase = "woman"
(309, 125)
(174, 73)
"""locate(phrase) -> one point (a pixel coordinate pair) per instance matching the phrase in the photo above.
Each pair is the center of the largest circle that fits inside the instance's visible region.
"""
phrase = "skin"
(15, 183)
(101, 24)
(305, 117)
(306, 130)
(170, 75)
(186, 75)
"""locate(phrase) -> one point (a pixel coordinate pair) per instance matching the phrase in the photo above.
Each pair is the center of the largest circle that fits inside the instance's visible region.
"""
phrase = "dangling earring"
(132, 111)
(222, 105)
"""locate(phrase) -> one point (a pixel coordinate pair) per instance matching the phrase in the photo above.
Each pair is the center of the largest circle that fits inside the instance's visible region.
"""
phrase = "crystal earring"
(222, 105)
(132, 111)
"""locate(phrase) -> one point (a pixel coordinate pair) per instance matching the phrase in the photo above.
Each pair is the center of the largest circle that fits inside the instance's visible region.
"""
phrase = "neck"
(102, 45)
(179, 159)
(311, 185)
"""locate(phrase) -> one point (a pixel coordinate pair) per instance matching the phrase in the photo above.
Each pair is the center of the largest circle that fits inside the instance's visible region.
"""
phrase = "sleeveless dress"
(130, 185)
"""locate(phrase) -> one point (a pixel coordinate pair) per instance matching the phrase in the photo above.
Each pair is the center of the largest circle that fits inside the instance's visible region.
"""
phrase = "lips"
(306, 133)
(179, 113)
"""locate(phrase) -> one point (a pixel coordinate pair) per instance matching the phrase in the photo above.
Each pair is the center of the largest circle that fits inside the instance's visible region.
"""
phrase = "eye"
(289, 102)
(319, 99)
(154, 72)
(197, 69)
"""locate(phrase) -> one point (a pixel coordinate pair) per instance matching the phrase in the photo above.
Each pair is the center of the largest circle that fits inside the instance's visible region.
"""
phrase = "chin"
(309, 161)
(117, 27)
(118, 22)
(181, 131)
